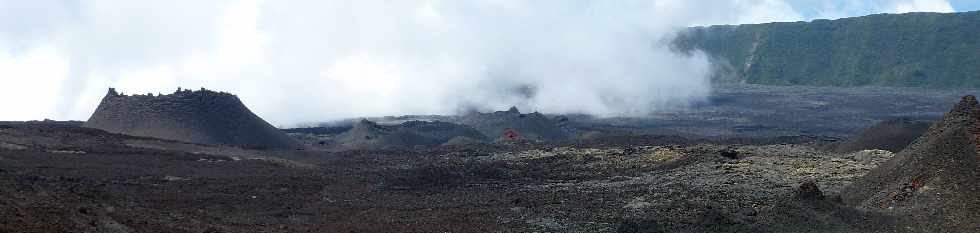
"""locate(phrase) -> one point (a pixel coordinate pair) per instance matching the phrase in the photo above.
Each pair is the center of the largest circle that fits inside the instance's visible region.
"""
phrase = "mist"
(295, 62)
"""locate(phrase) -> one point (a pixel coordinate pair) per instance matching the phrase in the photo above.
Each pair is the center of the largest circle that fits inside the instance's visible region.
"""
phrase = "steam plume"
(303, 61)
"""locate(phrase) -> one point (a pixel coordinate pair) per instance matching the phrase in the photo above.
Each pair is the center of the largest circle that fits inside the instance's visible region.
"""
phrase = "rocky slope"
(934, 182)
(203, 116)
(890, 135)
(914, 49)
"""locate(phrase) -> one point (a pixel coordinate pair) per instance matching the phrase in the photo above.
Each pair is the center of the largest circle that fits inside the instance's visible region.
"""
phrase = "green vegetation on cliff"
(914, 49)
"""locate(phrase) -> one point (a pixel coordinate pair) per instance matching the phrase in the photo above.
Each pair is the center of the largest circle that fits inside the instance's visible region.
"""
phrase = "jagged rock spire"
(968, 104)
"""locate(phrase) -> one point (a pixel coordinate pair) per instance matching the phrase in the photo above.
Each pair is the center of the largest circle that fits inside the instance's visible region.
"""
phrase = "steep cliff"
(913, 49)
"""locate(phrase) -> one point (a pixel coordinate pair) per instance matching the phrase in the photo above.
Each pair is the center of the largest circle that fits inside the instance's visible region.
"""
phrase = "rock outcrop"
(890, 135)
(932, 184)
(504, 124)
(202, 116)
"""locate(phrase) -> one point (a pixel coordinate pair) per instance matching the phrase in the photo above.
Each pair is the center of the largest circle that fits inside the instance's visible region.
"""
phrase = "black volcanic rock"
(319, 130)
(534, 126)
(809, 190)
(202, 116)
(934, 182)
(367, 134)
(890, 135)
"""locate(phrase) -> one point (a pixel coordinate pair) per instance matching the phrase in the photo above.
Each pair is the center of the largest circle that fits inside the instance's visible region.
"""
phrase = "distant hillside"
(914, 49)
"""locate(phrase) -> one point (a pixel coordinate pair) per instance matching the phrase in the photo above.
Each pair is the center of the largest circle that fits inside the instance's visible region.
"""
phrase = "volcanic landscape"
(811, 160)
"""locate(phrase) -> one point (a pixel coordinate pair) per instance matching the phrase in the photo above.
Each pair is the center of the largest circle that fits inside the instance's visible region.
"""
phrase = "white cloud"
(38, 73)
(302, 61)
(922, 6)
(840, 9)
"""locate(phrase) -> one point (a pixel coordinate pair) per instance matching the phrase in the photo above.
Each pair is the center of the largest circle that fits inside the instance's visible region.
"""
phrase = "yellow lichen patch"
(662, 155)
(743, 120)
(803, 168)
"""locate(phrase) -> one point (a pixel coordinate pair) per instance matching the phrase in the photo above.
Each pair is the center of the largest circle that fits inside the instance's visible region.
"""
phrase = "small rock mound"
(512, 125)
(809, 191)
(202, 116)
(639, 226)
(934, 182)
(890, 135)
(729, 152)
(367, 134)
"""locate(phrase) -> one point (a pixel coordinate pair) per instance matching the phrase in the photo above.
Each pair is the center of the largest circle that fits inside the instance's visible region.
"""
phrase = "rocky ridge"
(367, 134)
(505, 124)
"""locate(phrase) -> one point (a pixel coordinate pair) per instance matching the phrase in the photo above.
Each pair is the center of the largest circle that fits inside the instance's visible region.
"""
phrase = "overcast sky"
(297, 61)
